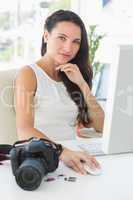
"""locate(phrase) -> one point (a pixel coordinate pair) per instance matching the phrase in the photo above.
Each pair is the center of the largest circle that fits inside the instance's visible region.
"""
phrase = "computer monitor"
(118, 124)
(117, 136)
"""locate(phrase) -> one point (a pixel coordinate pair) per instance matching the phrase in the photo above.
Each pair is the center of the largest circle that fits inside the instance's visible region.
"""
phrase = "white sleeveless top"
(55, 112)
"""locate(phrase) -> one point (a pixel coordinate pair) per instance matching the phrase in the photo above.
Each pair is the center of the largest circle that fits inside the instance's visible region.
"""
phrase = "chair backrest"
(8, 132)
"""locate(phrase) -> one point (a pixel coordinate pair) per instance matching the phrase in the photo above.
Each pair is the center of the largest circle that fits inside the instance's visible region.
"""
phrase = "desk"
(115, 183)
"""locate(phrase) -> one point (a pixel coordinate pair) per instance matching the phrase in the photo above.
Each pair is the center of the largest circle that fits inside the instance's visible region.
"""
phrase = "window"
(21, 29)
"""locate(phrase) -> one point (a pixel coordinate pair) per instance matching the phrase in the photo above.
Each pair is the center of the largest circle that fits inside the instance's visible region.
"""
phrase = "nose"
(68, 47)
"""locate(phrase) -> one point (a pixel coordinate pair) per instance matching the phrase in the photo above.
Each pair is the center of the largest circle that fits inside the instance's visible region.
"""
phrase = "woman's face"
(63, 42)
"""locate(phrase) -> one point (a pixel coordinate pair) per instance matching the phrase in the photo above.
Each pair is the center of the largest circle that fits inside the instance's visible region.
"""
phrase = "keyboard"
(93, 148)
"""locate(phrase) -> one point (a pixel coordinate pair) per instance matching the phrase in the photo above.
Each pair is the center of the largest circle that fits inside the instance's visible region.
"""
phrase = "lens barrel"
(30, 174)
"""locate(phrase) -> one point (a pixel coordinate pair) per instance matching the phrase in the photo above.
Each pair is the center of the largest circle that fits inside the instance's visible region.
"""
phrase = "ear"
(46, 35)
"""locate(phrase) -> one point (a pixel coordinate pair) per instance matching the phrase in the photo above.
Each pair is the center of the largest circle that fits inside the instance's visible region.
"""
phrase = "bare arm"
(95, 111)
(25, 87)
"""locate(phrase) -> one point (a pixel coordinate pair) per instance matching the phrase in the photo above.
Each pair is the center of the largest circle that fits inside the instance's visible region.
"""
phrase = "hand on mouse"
(76, 160)
(95, 172)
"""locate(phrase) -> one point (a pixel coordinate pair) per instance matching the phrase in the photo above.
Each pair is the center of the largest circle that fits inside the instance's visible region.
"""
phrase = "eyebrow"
(77, 39)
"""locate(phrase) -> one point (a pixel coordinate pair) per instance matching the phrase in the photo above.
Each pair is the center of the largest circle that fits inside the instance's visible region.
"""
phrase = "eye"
(62, 38)
(77, 42)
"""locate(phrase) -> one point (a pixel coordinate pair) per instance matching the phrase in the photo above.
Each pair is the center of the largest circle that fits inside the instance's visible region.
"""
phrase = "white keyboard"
(93, 148)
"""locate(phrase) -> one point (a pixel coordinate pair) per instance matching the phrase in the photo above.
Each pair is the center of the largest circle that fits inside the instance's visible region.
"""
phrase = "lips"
(66, 55)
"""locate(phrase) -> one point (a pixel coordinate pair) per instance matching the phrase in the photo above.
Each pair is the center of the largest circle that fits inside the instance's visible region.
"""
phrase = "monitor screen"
(118, 124)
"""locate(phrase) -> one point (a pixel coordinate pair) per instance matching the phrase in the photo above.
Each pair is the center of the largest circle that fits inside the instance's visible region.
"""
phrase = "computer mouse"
(94, 171)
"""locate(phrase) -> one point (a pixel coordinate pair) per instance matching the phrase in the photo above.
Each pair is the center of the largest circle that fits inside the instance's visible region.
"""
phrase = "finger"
(63, 69)
(74, 66)
(93, 162)
(62, 66)
(80, 166)
(67, 70)
(90, 160)
(93, 159)
(84, 158)
(96, 163)
(73, 166)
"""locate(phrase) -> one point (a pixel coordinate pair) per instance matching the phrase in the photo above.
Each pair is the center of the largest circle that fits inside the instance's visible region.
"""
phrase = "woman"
(53, 95)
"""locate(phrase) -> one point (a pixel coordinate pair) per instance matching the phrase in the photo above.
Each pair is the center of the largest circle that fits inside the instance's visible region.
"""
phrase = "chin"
(61, 62)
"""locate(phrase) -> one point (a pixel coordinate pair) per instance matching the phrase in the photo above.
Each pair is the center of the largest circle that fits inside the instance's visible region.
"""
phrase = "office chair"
(8, 134)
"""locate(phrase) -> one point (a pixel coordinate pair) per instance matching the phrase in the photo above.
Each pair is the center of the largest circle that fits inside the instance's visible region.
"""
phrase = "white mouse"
(95, 171)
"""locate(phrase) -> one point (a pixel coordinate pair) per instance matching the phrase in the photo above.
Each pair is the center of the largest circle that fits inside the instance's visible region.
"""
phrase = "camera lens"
(29, 175)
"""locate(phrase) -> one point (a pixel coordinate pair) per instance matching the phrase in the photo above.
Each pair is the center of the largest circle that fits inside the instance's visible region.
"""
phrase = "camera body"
(32, 159)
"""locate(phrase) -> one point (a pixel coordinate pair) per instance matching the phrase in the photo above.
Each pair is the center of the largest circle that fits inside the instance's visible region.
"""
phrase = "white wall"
(115, 19)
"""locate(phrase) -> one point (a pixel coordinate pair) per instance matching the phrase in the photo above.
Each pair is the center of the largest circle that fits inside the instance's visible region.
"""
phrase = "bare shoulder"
(26, 78)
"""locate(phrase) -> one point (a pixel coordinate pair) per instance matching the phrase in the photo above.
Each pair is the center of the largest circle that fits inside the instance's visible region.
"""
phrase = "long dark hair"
(81, 60)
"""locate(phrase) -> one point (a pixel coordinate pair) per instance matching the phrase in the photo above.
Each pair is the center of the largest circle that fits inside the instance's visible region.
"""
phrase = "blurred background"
(106, 21)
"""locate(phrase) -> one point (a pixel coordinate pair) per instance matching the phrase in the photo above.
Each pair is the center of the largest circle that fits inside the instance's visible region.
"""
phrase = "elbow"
(98, 121)
(100, 124)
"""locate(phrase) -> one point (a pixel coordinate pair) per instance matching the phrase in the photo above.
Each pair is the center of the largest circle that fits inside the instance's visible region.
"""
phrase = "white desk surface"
(115, 183)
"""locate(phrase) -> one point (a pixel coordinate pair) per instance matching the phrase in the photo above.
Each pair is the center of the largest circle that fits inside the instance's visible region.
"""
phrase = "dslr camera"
(32, 159)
